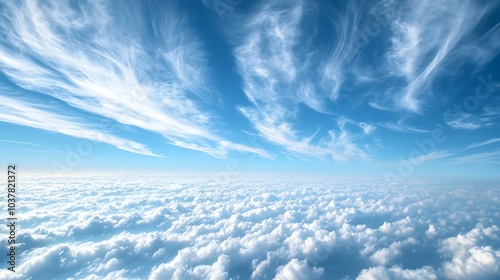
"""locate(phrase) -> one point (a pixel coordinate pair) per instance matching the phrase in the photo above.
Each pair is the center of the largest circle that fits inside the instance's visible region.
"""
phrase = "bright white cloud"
(23, 113)
(397, 273)
(94, 57)
(299, 270)
(426, 34)
(165, 228)
(276, 78)
(470, 122)
(471, 258)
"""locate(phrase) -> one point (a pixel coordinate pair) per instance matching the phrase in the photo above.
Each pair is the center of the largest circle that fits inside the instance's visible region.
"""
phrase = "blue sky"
(390, 88)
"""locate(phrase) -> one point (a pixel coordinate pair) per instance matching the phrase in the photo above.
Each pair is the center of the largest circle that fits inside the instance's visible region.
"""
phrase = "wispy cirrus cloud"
(276, 72)
(431, 156)
(487, 142)
(282, 71)
(401, 127)
(350, 36)
(468, 121)
(95, 57)
(309, 69)
(492, 157)
(20, 142)
(426, 41)
(23, 113)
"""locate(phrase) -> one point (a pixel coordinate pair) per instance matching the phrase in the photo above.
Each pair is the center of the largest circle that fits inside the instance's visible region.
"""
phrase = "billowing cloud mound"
(161, 228)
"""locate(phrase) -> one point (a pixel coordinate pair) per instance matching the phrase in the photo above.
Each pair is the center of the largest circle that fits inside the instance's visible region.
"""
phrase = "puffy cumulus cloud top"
(164, 228)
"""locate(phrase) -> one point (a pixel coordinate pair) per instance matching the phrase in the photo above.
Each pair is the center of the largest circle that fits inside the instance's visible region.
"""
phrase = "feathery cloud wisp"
(22, 113)
(421, 48)
(276, 78)
(96, 58)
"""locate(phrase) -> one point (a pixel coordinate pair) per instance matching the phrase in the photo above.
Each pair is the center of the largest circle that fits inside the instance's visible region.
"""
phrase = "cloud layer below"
(164, 228)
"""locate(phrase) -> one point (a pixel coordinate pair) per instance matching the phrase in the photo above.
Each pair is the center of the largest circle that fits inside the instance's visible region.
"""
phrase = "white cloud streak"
(94, 57)
(487, 142)
(426, 38)
(22, 113)
(492, 157)
(275, 74)
(401, 127)
(20, 142)
(466, 121)
(430, 156)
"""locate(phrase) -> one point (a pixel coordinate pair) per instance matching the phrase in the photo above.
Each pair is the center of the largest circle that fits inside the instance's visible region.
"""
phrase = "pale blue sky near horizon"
(354, 88)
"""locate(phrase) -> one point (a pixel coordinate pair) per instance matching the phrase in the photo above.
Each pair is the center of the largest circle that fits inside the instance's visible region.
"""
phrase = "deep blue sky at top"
(400, 88)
